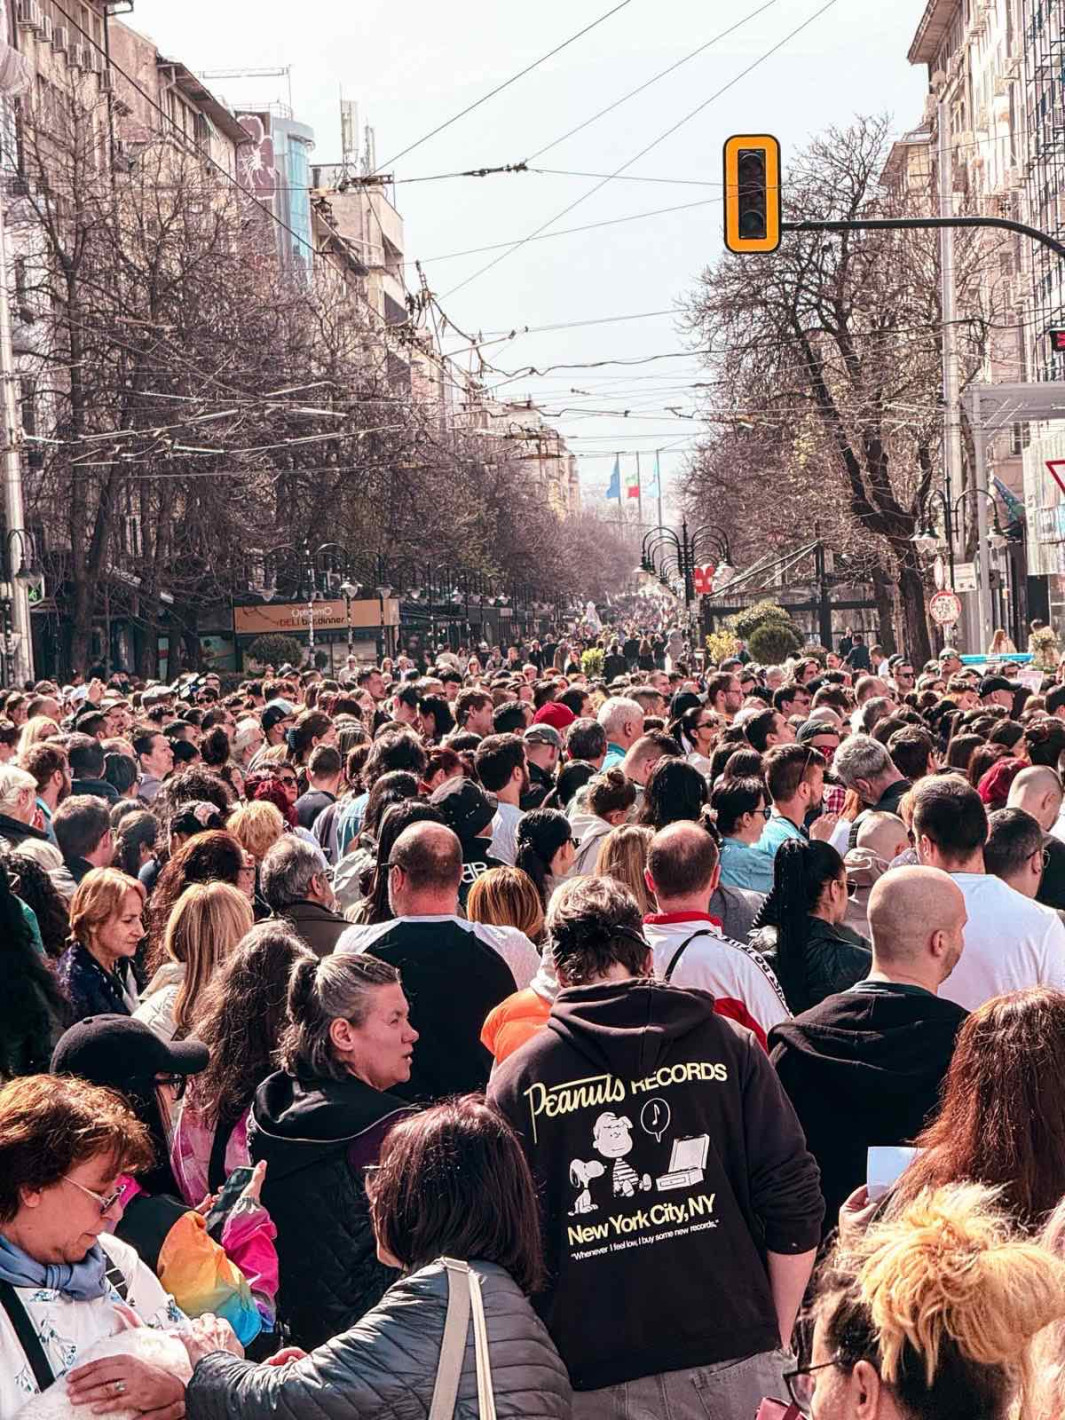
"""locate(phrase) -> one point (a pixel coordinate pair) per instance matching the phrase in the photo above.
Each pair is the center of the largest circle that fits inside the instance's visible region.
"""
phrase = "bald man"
(454, 971)
(864, 1067)
(1037, 790)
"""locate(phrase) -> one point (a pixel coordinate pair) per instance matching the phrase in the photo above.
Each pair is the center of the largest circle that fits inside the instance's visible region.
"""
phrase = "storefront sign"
(296, 616)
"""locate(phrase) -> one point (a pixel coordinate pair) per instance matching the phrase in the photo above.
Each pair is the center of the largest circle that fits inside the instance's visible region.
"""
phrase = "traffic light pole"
(880, 224)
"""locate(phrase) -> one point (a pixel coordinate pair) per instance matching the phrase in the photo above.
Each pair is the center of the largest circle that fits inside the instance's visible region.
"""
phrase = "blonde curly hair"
(945, 1299)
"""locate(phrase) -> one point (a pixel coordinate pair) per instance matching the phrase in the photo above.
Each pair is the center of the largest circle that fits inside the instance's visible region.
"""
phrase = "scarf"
(77, 1281)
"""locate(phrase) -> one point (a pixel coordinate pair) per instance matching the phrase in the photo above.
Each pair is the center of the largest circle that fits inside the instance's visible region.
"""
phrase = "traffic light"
(752, 193)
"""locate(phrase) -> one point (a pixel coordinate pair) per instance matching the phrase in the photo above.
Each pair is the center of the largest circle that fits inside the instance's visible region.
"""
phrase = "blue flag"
(655, 486)
(614, 490)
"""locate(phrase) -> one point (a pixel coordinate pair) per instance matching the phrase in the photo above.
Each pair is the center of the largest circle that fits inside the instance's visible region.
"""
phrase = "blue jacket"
(746, 865)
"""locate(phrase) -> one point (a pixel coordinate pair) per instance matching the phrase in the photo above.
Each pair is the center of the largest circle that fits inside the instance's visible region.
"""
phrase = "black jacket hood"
(873, 1043)
(301, 1122)
(626, 1027)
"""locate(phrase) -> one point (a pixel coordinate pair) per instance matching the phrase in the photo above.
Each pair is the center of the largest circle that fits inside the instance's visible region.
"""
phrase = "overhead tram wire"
(632, 93)
(506, 84)
(649, 147)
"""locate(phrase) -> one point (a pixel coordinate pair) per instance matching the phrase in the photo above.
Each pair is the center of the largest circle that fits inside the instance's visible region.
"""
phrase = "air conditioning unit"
(78, 58)
(44, 34)
(61, 39)
(29, 15)
(106, 79)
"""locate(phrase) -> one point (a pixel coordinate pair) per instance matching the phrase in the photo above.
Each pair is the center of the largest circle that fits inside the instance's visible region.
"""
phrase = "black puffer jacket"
(317, 1136)
(386, 1365)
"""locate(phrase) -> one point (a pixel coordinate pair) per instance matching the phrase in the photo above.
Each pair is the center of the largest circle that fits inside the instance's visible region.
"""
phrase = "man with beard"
(49, 767)
(873, 1057)
(503, 770)
(543, 750)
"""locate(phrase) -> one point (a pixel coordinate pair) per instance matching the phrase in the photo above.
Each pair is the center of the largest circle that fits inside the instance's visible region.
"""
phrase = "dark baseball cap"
(991, 683)
(465, 806)
(121, 1052)
(543, 734)
(810, 729)
(274, 713)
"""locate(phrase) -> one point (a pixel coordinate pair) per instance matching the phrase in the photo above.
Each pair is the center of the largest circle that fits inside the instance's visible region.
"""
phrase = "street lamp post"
(926, 539)
(350, 591)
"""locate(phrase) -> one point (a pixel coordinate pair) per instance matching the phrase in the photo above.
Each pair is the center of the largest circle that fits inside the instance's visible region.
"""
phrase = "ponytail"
(801, 869)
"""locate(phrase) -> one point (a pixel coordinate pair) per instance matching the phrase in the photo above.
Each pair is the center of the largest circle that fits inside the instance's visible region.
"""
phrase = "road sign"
(1056, 468)
(965, 576)
(1057, 341)
(945, 608)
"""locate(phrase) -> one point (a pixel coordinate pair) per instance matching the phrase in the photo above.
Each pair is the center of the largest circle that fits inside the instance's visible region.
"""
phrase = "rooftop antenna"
(349, 134)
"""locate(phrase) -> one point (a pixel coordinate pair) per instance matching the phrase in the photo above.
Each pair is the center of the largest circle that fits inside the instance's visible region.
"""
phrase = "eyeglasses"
(176, 1083)
(766, 811)
(575, 842)
(801, 1385)
(106, 1200)
(1043, 853)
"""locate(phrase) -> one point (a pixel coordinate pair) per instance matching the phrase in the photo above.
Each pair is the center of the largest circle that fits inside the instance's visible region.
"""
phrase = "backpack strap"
(671, 968)
(216, 1164)
(11, 1303)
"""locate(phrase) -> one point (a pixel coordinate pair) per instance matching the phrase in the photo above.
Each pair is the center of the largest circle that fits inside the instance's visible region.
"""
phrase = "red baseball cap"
(554, 714)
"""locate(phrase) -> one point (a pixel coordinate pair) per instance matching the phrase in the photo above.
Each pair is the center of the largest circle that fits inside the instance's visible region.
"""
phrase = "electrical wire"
(649, 147)
(506, 84)
(566, 231)
(708, 44)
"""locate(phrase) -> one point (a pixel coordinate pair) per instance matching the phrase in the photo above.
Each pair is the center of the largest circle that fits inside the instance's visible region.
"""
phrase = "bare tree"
(830, 347)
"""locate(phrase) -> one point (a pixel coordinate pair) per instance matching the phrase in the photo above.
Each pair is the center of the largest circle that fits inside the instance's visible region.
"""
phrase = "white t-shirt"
(511, 943)
(67, 1329)
(1011, 942)
(505, 833)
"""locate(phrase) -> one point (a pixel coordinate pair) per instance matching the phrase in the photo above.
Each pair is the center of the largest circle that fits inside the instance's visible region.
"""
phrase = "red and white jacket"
(739, 978)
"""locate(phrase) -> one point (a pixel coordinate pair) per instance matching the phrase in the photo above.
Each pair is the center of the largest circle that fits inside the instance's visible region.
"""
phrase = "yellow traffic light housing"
(752, 193)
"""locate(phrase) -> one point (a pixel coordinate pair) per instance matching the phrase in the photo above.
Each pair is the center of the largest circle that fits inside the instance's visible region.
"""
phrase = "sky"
(611, 293)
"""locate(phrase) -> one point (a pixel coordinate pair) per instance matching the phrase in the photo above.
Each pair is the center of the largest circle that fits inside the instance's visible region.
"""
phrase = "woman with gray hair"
(319, 1122)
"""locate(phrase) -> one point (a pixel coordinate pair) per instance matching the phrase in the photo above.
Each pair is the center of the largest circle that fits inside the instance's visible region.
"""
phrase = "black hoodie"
(669, 1161)
(863, 1067)
(317, 1136)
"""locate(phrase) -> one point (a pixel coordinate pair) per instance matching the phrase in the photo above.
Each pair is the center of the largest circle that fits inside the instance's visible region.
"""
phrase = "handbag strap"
(486, 1401)
(453, 1346)
(28, 1339)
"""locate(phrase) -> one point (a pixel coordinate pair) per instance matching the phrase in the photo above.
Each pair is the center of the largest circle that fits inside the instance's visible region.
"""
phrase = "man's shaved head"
(884, 834)
(906, 907)
(1037, 790)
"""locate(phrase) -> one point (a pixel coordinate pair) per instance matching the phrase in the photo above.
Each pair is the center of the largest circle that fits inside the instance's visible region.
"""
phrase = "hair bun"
(950, 1269)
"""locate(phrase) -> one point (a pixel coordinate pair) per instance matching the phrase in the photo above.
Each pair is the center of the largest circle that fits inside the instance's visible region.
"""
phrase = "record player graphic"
(686, 1163)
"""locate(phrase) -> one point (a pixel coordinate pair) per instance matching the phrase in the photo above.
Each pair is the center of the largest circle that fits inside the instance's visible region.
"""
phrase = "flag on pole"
(614, 489)
(655, 487)
(632, 482)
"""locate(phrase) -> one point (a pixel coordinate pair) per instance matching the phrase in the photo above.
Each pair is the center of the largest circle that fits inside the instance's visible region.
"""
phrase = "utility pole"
(15, 539)
(952, 454)
(658, 483)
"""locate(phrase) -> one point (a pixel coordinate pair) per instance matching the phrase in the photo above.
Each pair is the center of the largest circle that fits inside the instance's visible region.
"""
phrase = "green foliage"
(744, 623)
(592, 662)
(274, 649)
(720, 645)
(773, 641)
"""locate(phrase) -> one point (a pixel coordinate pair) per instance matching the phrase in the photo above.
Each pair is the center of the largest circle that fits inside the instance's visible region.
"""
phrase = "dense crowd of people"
(697, 1031)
